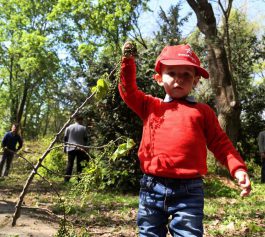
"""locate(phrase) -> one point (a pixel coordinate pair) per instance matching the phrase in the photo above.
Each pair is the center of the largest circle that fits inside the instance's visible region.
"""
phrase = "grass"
(114, 214)
(227, 214)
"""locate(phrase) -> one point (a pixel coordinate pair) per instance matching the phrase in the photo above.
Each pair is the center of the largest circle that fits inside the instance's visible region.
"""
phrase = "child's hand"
(244, 182)
(129, 49)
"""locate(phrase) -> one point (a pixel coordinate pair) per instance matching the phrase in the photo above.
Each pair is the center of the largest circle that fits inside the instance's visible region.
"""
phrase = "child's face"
(178, 81)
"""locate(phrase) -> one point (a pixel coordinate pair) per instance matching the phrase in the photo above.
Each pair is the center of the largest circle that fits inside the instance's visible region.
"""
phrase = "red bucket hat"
(179, 55)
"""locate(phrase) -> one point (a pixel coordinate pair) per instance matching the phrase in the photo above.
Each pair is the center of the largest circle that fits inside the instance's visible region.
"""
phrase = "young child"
(176, 134)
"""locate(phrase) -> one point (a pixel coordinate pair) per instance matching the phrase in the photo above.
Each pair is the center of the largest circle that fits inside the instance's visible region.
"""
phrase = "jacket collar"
(188, 98)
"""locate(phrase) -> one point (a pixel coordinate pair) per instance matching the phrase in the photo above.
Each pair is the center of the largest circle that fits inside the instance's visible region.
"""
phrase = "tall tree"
(88, 31)
(223, 83)
(170, 25)
(246, 57)
(28, 61)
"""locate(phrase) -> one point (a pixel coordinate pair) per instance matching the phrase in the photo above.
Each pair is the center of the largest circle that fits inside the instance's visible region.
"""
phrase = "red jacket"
(176, 134)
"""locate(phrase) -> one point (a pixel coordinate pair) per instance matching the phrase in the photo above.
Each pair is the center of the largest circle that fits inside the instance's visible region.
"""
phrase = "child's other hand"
(129, 49)
(244, 182)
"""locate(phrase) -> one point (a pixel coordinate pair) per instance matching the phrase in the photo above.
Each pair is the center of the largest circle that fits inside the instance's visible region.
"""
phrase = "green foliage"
(245, 59)
(242, 217)
(55, 163)
(244, 43)
(170, 30)
(112, 119)
(216, 189)
(101, 88)
(104, 209)
(123, 149)
(102, 173)
(67, 230)
(112, 168)
(28, 61)
(85, 50)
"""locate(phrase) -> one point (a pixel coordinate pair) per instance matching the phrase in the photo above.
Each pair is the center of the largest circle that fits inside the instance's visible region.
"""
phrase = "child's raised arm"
(129, 49)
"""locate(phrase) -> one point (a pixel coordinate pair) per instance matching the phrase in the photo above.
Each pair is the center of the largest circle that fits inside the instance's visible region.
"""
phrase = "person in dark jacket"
(9, 144)
(75, 134)
(261, 142)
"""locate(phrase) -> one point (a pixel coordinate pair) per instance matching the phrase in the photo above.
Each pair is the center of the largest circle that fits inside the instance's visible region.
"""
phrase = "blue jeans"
(162, 198)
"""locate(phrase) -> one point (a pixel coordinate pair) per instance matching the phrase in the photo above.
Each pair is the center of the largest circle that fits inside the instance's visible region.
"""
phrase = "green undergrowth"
(228, 214)
(89, 210)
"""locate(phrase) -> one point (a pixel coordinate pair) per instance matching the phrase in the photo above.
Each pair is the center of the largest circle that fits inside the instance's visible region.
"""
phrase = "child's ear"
(158, 79)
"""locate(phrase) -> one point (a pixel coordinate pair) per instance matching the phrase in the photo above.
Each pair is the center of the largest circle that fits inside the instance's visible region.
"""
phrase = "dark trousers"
(263, 171)
(5, 163)
(80, 156)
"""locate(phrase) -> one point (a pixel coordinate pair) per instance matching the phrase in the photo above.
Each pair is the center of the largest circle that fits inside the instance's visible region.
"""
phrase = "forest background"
(55, 53)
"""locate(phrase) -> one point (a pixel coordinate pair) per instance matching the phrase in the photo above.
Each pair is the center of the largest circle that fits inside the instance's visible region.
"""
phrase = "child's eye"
(187, 75)
(172, 74)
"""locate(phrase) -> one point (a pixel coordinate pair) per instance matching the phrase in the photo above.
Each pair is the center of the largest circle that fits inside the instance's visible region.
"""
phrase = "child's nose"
(178, 79)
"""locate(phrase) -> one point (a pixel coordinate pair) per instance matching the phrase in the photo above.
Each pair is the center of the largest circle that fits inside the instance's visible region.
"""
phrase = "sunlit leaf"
(123, 149)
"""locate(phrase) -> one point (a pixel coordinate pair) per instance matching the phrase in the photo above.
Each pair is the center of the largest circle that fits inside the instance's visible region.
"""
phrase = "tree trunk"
(22, 103)
(47, 120)
(12, 94)
(227, 104)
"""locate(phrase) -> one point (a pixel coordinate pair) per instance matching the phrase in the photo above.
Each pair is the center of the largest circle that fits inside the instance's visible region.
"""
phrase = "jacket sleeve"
(131, 95)
(3, 143)
(219, 143)
(66, 135)
(20, 143)
(85, 136)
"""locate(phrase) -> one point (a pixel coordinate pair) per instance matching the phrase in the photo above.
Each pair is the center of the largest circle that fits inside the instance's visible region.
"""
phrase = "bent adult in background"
(9, 144)
(75, 134)
(261, 142)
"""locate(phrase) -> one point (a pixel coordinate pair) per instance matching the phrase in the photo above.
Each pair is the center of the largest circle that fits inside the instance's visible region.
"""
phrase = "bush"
(55, 164)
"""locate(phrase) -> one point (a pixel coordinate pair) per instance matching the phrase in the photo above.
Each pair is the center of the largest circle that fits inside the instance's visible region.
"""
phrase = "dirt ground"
(32, 222)
(37, 220)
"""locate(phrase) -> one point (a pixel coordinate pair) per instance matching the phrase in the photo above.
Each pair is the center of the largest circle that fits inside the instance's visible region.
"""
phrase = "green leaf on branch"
(123, 149)
(102, 87)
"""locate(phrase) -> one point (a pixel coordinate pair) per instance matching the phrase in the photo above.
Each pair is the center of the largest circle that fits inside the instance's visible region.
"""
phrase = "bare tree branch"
(39, 163)
(226, 13)
(206, 19)
(34, 171)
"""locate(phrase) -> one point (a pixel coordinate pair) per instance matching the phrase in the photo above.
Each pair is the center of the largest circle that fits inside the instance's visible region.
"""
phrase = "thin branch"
(226, 13)
(51, 185)
(206, 21)
(34, 171)
(39, 163)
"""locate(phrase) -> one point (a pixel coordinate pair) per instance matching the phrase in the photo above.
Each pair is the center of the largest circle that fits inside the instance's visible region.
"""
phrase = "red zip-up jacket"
(176, 134)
